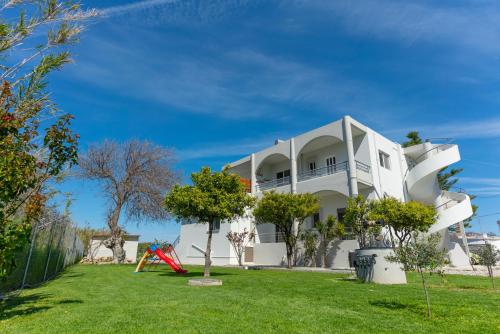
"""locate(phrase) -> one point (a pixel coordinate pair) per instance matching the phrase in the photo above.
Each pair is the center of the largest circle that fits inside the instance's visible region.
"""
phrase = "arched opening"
(273, 171)
(321, 156)
(330, 203)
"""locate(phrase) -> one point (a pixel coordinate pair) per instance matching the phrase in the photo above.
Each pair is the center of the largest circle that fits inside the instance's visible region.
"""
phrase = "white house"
(335, 161)
(98, 250)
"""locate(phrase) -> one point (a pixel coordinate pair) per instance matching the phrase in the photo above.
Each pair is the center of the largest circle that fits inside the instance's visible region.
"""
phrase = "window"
(216, 228)
(384, 160)
(330, 165)
(312, 167)
(279, 236)
(282, 177)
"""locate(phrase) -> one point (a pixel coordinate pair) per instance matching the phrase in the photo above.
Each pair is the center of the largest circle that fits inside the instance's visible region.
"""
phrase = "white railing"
(274, 183)
(322, 171)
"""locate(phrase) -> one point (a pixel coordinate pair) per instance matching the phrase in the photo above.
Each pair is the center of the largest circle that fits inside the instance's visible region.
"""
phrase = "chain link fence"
(54, 245)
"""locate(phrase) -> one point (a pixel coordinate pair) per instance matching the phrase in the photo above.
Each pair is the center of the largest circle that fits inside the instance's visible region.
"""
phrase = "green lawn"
(112, 299)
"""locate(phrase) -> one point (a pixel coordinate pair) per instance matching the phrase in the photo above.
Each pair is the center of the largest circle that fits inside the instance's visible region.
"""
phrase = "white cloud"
(224, 149)
(134, 7)
(471, 24)
(481, 181)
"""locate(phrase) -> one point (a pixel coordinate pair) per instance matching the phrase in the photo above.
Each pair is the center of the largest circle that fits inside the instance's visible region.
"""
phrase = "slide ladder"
(169, 257)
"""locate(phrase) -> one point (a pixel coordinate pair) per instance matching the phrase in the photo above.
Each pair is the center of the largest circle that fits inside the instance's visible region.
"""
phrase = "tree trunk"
(115, 242)
(492, 277)
(289, 256)
(427, 299)
(324, 258)
(208, 250)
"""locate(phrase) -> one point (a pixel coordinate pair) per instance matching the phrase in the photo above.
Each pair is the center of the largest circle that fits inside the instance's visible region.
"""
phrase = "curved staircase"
(425, 161)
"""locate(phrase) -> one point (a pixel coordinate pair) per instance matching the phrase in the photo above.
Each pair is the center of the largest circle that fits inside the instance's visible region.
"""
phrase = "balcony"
(274, 183)
(335, 178)
(319, 172)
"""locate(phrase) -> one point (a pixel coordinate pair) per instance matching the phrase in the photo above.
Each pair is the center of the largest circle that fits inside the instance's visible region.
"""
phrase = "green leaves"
(29, 155)
(284, 211)
(213, 195)
(404, 218)
(414, 139)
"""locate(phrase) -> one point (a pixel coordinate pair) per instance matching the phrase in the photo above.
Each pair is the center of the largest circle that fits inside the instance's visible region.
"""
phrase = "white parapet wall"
(99, 251)
(270, 254)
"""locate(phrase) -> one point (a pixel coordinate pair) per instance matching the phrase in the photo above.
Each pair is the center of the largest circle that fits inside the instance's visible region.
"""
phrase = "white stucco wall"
(98, 250)
(386, 181)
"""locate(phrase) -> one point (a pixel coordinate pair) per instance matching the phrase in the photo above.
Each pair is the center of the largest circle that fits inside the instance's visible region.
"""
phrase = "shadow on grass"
(70, 301)
(388, 304)
(192, 274)
(69, 275)
(14, 306)
(25, 305)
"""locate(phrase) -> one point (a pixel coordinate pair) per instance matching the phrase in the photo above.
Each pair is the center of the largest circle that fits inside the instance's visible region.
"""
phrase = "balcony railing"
(362, 166)
(312, 174)
(274, 183)
(322, 171)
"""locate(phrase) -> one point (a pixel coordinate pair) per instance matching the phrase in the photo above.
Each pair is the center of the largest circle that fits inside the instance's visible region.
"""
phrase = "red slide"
(169, 261)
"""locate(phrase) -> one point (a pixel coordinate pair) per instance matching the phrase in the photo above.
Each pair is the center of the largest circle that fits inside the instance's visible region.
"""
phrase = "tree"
(488, 257)
(421, 254)
(213, 196)
(239, 240)
(413, 139)
(404, 218)
(328, 230)
(287, 212)
(135, 176)
(36, 141)
(310, 240)
(357, 216)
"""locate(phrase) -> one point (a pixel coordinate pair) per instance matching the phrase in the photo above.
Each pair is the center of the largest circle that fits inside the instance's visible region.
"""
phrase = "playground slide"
(169, 261)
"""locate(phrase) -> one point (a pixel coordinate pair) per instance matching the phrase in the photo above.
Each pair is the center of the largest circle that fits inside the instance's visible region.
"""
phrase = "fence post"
(29, 256)
(50, 251)
(61, 240)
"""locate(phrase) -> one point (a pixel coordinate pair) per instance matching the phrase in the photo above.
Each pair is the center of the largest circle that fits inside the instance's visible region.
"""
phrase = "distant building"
(99, 251)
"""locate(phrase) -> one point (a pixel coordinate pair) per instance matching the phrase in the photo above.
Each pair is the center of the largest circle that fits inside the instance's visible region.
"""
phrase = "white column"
(293, 167)
(253, 177)
(353, 180)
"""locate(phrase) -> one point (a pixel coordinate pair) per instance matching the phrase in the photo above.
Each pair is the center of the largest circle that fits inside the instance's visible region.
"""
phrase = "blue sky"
(216, 80)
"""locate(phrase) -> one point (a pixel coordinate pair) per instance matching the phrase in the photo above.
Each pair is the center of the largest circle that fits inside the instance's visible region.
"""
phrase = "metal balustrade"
(312, 174)
(362, 166)
(322, 171)
(274, 183)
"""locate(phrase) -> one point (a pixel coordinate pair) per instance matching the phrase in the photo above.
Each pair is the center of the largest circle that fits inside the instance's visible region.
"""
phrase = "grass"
(112, 299)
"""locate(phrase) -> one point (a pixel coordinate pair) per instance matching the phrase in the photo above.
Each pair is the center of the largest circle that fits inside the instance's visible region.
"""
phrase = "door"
(283, 177)
(312, 167)
(330, 165)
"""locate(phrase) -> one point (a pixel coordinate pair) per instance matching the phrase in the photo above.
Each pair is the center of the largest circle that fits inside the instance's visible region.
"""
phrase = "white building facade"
(336, 161)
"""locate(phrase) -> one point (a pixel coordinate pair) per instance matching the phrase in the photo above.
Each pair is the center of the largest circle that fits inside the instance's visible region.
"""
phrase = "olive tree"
(135, 177)
(36, 140)
(421, 254)
(212, 196)
(488, 257)
(287, 212)
(404, 218)
(328, 230)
